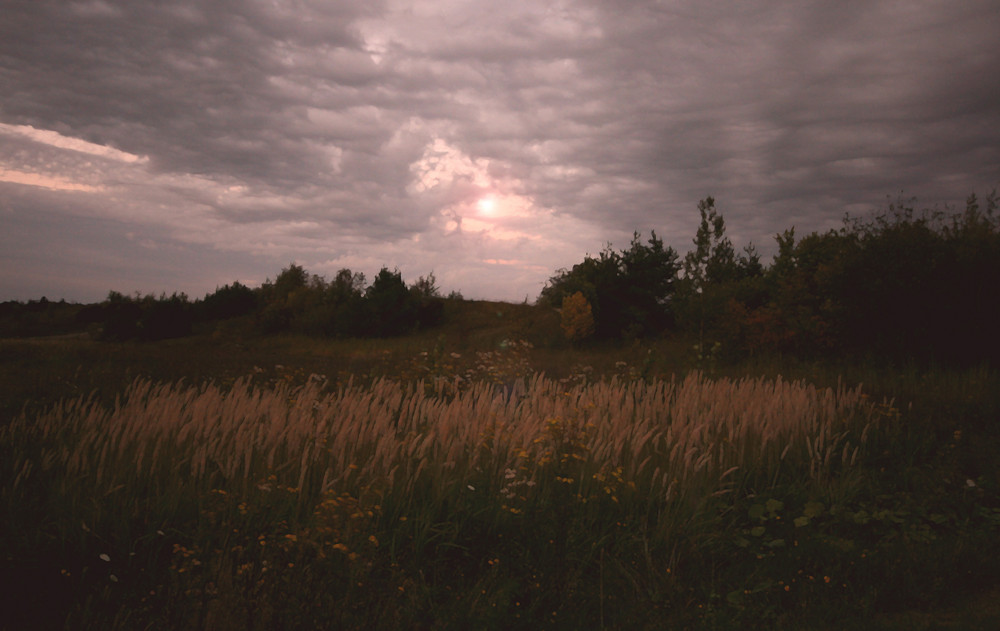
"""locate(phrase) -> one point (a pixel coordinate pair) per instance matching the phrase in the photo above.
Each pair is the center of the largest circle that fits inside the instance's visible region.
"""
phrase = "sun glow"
(486, 205)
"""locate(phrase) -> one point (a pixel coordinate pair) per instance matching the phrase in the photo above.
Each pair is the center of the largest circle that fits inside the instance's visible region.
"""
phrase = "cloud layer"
(184, 145)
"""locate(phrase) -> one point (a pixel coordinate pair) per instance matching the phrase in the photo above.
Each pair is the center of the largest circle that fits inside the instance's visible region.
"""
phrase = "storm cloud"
(161, 146)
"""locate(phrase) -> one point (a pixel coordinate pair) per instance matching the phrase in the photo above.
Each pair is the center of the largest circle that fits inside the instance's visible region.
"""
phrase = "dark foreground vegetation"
(686, 443)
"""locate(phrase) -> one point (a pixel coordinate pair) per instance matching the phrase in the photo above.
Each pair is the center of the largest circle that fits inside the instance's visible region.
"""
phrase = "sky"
(181, 145)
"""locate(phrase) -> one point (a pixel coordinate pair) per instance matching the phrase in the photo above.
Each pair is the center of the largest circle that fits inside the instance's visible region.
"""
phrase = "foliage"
(145, 318)
(249, 509)
(389, 304)
(41, 317)
(425, 296)
(629, 291)
(346, 307)
(345, 299)
(679, 503)
(577, 318)
(922, 536)
(165, 318)
(717, 284)
(228, 301)
(898, 285)
(713, 259)
(936, 282)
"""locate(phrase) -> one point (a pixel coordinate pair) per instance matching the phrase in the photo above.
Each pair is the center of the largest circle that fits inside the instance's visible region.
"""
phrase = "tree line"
(899, 284)
(295, 301)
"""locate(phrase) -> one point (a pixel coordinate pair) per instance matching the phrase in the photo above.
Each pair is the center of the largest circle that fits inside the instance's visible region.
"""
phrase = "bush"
(229, 301)
(629, 291)
(577, 318)
(164, 318)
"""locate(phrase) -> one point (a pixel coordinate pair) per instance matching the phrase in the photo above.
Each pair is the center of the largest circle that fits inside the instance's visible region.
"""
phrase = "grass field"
(481, 476)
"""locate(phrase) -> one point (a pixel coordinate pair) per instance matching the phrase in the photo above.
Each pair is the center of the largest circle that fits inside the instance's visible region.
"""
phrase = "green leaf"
(756, 511)
(758, 531)
(775, 543)
(813, 509)
(773, 506)
(801, 521)
(735, 597)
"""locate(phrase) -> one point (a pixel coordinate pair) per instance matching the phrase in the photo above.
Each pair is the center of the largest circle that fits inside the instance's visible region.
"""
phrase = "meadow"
(474, 476)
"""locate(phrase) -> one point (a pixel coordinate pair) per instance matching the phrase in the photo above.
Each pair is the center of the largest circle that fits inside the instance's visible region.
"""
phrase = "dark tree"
(389, 305)
(427, 301)
(291, 278)
(120, 317)
(229, 301)
(713, 259)
(346, 298)
(165, 318)
(629, 291)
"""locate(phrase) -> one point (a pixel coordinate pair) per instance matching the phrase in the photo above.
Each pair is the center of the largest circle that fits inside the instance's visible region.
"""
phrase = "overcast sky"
(180, 145)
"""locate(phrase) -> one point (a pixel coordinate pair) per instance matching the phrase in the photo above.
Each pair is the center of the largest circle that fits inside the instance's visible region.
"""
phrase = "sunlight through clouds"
(490, 142)
(477, 202)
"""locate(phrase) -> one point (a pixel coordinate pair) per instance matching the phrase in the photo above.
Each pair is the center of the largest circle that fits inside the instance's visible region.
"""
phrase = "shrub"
(577, 318)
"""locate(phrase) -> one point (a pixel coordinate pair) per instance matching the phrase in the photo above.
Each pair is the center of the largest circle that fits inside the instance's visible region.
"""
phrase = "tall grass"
(671, 439)
(216, 500)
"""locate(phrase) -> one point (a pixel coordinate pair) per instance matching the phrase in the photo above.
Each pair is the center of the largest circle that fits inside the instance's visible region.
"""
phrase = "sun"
(486, 205)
